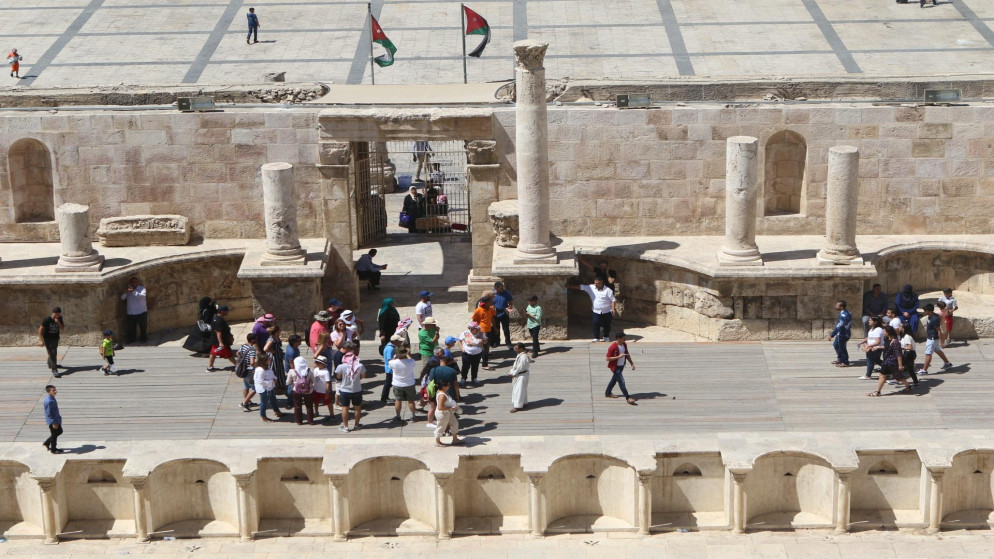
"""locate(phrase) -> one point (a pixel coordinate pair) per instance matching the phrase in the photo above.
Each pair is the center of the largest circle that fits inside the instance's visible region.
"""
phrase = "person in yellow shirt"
(107, 352)
(484, 316)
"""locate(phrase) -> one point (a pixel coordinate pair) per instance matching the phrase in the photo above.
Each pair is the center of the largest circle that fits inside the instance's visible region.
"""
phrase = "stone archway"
(784, 174)
(29, 165)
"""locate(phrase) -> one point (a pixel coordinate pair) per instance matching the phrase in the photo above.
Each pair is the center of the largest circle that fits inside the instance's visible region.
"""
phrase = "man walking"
(422, 153)
(603, 306)
(503, 302)
(48, 338)
(137, 311)
(932, 321)
(423, 309)
(253, 23)
(368, 271)
(617, 358)
(54, 420)
(389, 351)
(840, 335)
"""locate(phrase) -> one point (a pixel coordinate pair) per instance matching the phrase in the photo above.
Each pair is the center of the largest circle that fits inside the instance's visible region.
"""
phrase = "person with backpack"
(222, 331)
(300, 379)
(403, 383)
(244, 366)
(321, 387)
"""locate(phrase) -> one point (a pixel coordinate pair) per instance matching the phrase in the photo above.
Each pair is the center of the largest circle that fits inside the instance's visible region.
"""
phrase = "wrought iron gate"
(367, 177)
(440, 177)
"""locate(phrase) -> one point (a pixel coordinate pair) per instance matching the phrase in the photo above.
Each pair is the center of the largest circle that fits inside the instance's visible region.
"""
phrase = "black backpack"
(242, 364)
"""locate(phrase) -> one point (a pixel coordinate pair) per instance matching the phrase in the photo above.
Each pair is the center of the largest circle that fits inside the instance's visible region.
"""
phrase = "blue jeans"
(253, 30)
(267, 400)
(872, 359)
(619, 379)
(839, 343)
(602, 321)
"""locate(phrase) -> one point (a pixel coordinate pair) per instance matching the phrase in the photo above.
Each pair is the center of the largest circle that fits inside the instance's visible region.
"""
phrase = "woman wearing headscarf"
(387, 320)
(201, 337)
(907, 307)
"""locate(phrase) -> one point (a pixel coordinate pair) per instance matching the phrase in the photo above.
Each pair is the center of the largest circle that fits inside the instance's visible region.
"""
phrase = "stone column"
(338, 507)
(141, 522)
(741, 162)
(531, 146)
(482, 177)
(738, 503)
(244, 483)
(443, 506)
(935, 501)
(537, 518)
(279, 199)
(77, 243)
(842, 500)
(48, 509)
(645, 503)
(333, 156)
(841, 200)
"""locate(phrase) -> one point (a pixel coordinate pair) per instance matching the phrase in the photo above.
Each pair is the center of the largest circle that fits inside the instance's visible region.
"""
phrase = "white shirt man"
(137, 310)
(603, 306)
(423, 309)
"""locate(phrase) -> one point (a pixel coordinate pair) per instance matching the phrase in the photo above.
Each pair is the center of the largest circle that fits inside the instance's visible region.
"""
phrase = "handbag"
(406, 219)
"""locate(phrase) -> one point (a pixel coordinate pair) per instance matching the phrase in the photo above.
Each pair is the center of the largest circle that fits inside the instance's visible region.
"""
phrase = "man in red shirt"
(617, 358)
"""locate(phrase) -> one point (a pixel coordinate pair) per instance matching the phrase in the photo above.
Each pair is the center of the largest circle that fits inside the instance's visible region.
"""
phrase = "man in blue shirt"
(503, 301)
(841, 334)
(253, 23)
(54, 420)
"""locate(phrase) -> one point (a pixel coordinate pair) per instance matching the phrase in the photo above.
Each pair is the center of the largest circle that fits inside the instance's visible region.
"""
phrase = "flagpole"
(372, 66)
(462, 31)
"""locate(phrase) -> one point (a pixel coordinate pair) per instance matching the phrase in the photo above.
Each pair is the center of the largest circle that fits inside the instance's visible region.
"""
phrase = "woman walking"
(891, 363)
(872, 345)
(265, 386)
(909, 355)
(274, 349)
(519, 373)
(446, 409)
(473, 343)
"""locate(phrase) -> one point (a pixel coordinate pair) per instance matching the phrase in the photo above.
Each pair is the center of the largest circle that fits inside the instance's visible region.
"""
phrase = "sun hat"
(403, 351)
(396, 338)
(322, 316)
(321, 359)
(429, 320)
(268, 317)
(473, 324)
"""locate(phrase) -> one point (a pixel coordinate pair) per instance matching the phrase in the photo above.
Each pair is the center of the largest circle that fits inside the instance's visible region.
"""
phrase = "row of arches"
(494, 495)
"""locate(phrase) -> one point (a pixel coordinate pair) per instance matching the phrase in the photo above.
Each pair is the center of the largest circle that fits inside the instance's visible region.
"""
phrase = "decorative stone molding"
(481, 152)
(530, 54)
(144, 230)
(504, 220)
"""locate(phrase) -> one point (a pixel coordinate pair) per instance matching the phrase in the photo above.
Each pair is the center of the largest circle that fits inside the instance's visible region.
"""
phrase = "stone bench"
(144, 230)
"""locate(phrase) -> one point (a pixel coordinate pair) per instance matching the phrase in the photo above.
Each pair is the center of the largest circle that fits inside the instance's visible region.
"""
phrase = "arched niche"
(100, 503)
(29, 168)
(886, 491)
(968, 491)
(294, 498)
(491, 495)
(192, 498)
(784, 174)
(689, 493)
(590, 493)
(390, 495)
(790, 490)
(20, 502)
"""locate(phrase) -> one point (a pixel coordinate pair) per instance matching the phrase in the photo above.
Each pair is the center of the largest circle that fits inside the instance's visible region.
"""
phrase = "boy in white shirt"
(893, 320)
(951, 308)
(322, 379)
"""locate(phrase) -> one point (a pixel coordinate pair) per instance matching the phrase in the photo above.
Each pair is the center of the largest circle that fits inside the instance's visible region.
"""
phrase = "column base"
(288, 257)
(740, 259)
(831, 258)
(539, 254)
(90, 263)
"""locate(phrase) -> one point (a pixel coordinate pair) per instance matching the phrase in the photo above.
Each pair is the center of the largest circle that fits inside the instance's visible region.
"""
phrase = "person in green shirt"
(534, 322)
(107, 352)
(428, 337)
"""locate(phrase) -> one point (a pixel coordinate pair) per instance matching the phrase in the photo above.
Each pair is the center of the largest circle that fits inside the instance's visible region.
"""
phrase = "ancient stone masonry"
(144, 230)
(504, 220)
(77, 243)
(841, 200)
(739, 248)
(280, 205)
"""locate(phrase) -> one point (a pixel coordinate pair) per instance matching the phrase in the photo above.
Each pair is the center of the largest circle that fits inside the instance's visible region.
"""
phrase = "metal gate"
(438, 171)
(367, 176)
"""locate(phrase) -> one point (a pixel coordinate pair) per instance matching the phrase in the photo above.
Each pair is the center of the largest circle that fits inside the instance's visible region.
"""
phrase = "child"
(893, 320)
(534, 322)
(107, 352)
(450, 343)
(940, 310)
(320, 387)
(951, 307)
(446, 409)
(932, 339)
(290, 358)
(909, 355)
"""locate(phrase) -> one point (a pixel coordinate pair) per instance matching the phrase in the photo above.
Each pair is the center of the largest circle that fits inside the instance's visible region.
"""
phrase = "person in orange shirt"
(484, 316)
(14, 60)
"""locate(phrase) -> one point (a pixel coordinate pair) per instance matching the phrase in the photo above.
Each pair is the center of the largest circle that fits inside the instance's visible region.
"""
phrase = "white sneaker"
(864, 377)
(605, 339)
(595, 340)
(431, 425)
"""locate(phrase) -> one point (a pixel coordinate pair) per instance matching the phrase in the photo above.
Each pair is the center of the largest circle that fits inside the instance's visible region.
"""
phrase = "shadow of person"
(475, 427)
(648, 395)
(120, 372)
(555, 349)
(83, 449)
(926, 384)
(73, 370)
(954, 370)
(543, 403)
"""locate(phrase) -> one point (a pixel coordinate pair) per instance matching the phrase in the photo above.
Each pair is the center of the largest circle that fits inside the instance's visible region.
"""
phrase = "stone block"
(935, 130)
(144, 230)
(928, 148)
(856, 132)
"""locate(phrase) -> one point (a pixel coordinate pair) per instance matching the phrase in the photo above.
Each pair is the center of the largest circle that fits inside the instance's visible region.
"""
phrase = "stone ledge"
(144, 230)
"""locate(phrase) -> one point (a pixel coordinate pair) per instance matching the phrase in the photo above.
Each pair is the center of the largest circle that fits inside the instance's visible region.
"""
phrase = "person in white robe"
(519, 378)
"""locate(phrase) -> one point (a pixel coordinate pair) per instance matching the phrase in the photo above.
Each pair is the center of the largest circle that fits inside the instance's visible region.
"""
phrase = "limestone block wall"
(541, 485)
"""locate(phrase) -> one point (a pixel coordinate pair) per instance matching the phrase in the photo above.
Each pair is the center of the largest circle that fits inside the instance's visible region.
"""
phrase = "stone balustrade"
(537, 485)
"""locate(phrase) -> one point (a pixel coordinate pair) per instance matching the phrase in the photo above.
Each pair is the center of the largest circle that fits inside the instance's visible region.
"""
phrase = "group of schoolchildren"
(890, 336)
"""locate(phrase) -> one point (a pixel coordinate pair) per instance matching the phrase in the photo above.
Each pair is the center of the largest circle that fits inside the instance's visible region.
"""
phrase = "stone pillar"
(338, 524)
(741, 162)
(245, 525)
(935, 501)
(482, 177)
(279, 200)
(443, 506)
(842, 500)
(77, 243)
(531, 146)
(48, 517)
(645, 504)
(141, 522)
(339, 280)
(738, 503)
(536, 517)
(841, 200)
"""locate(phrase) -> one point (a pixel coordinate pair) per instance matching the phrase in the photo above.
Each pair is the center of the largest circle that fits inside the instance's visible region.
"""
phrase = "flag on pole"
(381, 39)
(476, 25)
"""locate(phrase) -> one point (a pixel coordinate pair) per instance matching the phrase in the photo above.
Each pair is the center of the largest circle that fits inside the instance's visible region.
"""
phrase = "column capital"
(739, 477)
(535, 479)
(936, 475)
(46, 484)
(645, 479)
(843, 477)
(243, 481)
(138, 484)
(443, 480)
(337, 480)
(529, 54)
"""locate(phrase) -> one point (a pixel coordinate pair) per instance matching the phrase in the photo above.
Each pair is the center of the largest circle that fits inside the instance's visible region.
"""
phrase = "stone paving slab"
(106, 42)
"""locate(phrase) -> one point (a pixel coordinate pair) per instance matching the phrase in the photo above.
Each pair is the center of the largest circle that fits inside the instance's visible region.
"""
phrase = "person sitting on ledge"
(368, 271)
(907, 307)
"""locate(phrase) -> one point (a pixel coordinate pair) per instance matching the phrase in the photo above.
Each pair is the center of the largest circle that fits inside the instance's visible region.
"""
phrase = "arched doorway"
(783, 187)
(30, 166)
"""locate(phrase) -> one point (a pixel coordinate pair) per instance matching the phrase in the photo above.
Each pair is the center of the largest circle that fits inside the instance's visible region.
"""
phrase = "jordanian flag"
(476, 25)
(380, 38)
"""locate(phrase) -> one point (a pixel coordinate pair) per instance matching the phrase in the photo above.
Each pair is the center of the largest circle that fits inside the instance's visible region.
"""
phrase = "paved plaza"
(109, 42)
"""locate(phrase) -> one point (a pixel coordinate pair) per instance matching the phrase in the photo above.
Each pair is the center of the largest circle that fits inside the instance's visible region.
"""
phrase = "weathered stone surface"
(504, 220)
(481, 152)
(274, 76)
(77, 243)
(144, 230)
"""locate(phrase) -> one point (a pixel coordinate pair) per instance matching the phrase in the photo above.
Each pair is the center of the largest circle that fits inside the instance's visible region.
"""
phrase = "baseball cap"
(108, 333)
(396, 338)
(424, 294)
(334, 303)
(450, 340)
(223, 308)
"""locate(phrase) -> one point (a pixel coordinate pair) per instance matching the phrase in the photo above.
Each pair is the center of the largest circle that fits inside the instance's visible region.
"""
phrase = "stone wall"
(733, 482)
